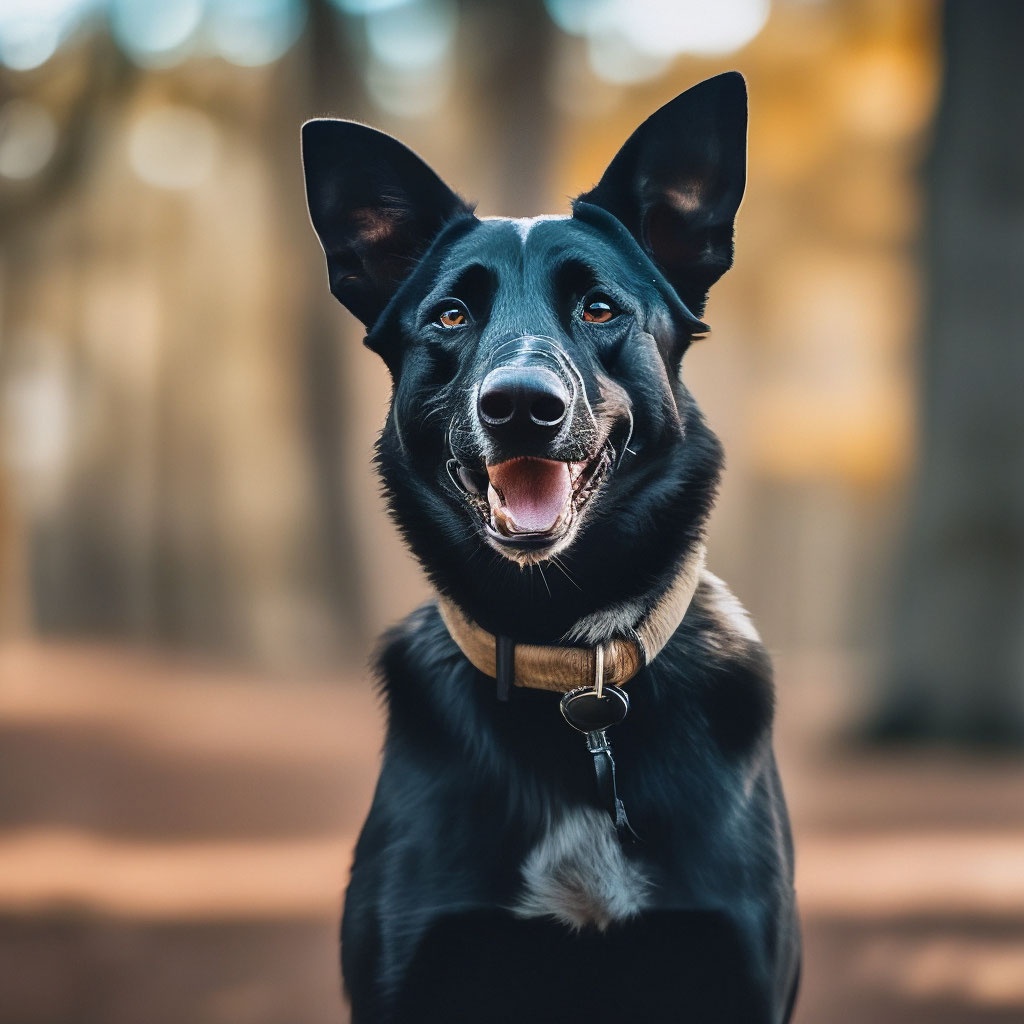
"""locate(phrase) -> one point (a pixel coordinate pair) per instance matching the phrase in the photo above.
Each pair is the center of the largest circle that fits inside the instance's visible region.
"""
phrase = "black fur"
(469, 786)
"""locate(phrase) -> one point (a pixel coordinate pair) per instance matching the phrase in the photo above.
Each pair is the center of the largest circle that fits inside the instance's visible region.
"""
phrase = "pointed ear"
(677, 182)
(376, 208)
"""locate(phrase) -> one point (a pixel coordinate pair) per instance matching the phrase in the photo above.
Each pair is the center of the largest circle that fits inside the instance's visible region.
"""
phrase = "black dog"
(554, 476)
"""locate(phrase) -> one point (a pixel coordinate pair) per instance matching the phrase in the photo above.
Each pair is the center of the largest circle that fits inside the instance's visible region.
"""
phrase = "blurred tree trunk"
(331, 82)
(515, 109)
(956, 668)
(317, 78)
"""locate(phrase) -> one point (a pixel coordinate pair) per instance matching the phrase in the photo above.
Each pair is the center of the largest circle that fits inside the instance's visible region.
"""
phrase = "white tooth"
(501, 518)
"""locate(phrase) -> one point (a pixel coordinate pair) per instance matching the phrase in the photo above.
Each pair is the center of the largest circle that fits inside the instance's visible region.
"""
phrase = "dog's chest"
(579, 875)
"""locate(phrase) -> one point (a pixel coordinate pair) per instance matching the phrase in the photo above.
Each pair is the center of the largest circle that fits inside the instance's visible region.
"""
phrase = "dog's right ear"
(375, 206)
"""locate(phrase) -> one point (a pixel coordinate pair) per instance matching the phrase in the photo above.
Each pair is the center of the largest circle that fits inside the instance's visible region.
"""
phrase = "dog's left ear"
(677, 182)
(376, 207)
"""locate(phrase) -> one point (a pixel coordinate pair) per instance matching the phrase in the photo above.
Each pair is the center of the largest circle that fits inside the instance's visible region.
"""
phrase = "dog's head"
(537, 413)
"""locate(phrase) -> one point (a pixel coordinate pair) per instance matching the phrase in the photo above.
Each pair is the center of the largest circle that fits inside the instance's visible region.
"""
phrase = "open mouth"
(529, 502)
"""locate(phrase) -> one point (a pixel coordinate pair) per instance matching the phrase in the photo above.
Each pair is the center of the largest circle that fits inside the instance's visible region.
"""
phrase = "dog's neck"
(622, 639)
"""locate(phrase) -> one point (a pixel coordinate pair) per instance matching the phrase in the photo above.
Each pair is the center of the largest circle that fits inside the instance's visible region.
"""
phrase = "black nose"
(529, 401)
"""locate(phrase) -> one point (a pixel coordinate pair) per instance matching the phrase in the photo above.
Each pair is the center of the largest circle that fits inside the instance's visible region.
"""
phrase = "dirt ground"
(174, 842)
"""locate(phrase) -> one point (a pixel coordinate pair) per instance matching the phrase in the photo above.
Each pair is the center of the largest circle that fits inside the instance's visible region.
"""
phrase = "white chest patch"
(579, 875)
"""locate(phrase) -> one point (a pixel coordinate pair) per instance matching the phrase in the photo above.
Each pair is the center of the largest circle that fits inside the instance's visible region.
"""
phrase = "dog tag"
(588, 711)
(591, 710)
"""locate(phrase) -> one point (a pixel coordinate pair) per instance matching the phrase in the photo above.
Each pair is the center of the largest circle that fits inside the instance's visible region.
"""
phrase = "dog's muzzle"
(541, 458)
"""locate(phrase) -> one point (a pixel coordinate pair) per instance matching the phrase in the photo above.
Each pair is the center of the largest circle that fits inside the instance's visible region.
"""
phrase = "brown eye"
(453, 317)
(599, 311)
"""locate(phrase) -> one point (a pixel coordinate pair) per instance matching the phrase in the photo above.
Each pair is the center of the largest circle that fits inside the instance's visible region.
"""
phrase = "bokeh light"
(31, 30)
(254, 32)
(173, 147)
(28, 138)
(36, 415)
(633, 40)
(412, 36)
(155, 34)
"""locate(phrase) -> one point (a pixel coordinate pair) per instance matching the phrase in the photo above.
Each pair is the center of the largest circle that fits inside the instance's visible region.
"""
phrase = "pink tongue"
(535, 491)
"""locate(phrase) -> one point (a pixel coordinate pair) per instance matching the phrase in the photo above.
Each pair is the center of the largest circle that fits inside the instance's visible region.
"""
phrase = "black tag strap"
(505, 665)
(604, 772)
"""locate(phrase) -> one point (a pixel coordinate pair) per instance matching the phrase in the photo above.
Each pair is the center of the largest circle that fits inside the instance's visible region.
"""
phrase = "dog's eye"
(599, 309)
(452, 316)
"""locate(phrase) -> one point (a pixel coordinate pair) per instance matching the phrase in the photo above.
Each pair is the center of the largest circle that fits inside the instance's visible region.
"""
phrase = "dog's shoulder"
(424, 679)
(726, 625)
(726, 666)
(418, 643)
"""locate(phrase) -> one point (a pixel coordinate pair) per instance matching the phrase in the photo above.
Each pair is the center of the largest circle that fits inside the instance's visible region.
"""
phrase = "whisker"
(565, 572)
(540, 569)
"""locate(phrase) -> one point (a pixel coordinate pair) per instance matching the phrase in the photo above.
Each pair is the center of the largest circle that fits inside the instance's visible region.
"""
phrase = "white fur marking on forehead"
(524, 225)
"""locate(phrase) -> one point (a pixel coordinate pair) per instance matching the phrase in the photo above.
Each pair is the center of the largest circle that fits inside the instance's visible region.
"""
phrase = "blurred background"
(194, 559)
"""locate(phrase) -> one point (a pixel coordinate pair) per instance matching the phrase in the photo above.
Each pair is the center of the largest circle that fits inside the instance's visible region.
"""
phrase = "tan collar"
(543, 667)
